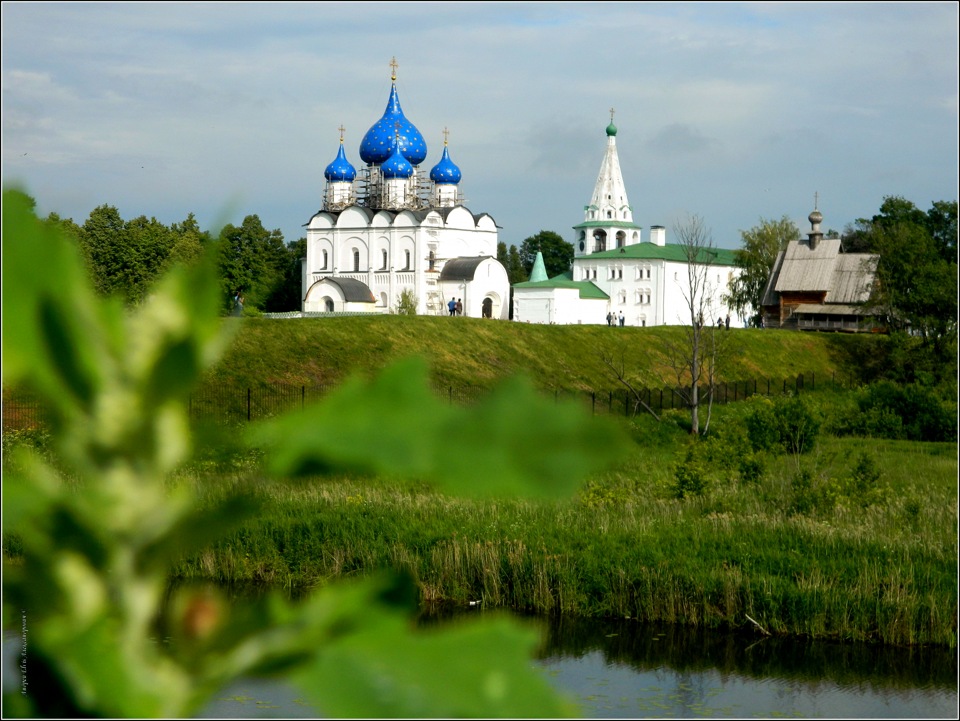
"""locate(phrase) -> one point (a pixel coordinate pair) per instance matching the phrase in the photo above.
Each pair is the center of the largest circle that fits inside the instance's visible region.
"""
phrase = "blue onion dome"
(396, 166)
(377, 143)
(445, 172)
(340, 170)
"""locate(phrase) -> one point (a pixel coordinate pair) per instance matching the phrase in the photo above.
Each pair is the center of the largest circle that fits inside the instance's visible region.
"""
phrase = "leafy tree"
(188, 243)
(106, 249)
(557, 253)
(510, 259)
(916, 286)
(756, 258)
(100, 522)
(252, 260)
(288, 292)
(406, 303)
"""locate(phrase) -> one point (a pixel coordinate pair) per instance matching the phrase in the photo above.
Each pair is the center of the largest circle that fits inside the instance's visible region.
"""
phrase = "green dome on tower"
(611, 130)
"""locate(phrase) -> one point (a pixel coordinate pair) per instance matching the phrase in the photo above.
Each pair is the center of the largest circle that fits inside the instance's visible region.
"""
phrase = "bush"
(690, 477)
(787, 424)
(406, 303)
(913, 412)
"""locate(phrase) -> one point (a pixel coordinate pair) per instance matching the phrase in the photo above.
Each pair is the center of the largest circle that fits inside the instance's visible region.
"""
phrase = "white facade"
(616, 271)
(392, 229)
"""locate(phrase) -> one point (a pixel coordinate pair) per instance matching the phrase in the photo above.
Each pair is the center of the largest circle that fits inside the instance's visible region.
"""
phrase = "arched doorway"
(487, 311)
(327, 304)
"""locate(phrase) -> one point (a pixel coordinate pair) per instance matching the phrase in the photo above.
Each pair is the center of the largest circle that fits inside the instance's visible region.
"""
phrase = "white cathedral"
(390, 229)
(615, 272)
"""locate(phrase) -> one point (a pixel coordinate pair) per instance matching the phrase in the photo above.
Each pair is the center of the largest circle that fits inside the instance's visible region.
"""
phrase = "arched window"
(356, 260)
(432, 260)
(325, 259)
(384, 260)
(406, 255)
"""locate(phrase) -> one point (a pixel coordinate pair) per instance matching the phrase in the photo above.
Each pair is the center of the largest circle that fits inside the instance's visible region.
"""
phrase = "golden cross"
(446, 134)
(341, 129)
(394, 66)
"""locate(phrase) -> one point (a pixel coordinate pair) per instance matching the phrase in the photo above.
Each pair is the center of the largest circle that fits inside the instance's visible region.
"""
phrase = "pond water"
(629, 670)
(623, 669)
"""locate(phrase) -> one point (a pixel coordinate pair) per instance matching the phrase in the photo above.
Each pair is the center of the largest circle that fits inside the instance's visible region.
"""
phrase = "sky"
(733, 112)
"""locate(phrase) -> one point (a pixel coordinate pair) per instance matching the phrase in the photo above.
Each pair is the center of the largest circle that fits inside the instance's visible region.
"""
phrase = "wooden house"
(815, 286)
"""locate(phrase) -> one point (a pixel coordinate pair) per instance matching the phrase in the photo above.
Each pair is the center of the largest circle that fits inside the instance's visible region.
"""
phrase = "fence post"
(248, 403)
(303, 397)
(450, 395)
(593, 402)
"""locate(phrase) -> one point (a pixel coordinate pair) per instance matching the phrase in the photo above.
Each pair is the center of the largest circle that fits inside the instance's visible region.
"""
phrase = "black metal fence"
(225, 404)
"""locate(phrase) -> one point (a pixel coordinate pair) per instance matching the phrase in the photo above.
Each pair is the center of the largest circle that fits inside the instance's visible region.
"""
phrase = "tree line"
(125, 258)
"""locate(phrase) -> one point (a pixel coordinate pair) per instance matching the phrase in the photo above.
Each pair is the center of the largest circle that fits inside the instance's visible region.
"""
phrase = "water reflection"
(628, 670)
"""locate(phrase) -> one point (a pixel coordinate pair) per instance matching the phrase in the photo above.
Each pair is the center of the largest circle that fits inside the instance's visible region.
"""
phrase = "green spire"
(539, 271)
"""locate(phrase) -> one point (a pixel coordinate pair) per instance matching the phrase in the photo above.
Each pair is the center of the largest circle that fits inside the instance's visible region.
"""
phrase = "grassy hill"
(475, 352)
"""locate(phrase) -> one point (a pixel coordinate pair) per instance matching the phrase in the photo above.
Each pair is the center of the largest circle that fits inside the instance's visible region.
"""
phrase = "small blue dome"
(445, 172)
(378, 142)
(340, 169)
(396, 166)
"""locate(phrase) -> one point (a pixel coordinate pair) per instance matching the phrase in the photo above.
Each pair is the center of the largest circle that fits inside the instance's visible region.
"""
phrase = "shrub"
(914, 412)
(863, 485)
(788, 424)
(690, 476)
(406, 303)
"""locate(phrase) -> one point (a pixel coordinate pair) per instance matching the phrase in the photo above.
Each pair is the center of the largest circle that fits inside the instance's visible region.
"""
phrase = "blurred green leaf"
(387, 670)
(514, 442)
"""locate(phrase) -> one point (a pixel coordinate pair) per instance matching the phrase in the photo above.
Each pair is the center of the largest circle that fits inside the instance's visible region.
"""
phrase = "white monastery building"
(391, 228)
(616, 271)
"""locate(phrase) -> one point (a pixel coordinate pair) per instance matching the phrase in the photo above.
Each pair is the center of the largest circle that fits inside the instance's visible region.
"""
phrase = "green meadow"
(855, 538)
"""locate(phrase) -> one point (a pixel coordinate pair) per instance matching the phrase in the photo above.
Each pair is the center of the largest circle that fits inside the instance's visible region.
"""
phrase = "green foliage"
(756, 258)
(126, 258)
(863, 485)
(890, 410)
(406, 303)
(788, 424)
(690, 477)
(557, 253)
(917, 272)
(510, 259)
(254, 261)
(287, 293)
(95, 553)
(859, 487)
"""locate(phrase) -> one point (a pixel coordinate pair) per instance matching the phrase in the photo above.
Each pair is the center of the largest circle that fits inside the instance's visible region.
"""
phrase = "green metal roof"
(670, 251)
(586, 288)
(607, 224)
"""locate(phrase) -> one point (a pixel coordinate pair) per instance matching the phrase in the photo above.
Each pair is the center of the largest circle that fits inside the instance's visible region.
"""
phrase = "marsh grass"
(877, 567)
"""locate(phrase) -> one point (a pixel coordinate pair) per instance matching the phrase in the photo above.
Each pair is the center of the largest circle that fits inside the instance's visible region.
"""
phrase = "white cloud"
(733, 111)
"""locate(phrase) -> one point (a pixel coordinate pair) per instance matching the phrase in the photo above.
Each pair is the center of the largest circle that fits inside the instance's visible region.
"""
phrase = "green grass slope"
(475, 352)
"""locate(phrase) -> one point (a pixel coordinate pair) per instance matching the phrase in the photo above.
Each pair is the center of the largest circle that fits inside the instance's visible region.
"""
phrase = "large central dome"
(377, 144)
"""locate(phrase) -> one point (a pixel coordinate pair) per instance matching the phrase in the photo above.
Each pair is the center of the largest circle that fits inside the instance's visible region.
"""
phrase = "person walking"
(452, 306)
(459, 306)
(622, 319)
